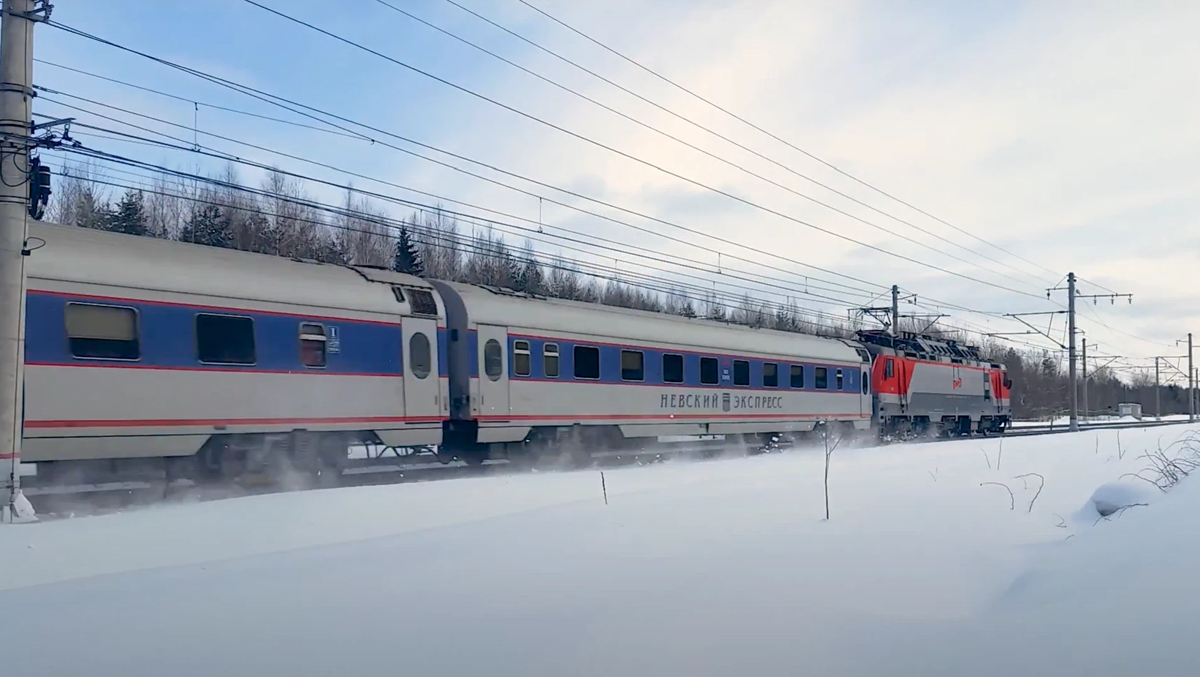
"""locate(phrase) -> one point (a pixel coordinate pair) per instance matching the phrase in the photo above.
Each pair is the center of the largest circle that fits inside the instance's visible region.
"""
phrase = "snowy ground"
(714, 568)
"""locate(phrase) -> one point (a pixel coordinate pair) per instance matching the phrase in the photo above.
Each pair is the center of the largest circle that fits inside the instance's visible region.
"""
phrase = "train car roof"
(84, 255)
(486, 305)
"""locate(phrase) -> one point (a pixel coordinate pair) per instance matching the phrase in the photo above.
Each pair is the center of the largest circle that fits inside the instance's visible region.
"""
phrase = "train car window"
(224, 339)
(493, 358)
(741, 373)
(420, 359)
(522, 361)
(708, 371)
(770, 375)
(889, 368)
(312, 345)
(840, 381)
(797, 373)
(102, 332)
(672, 368)
(866, 383)
(550, 360)
(633, 366)
(822, 378)
(587, 362)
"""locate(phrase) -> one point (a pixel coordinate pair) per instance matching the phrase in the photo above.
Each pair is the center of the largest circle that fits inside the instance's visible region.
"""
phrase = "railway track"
(61, 501)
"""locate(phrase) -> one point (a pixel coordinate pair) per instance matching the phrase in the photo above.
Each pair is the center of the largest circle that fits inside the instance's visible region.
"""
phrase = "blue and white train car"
(530, 371)
(139, 348)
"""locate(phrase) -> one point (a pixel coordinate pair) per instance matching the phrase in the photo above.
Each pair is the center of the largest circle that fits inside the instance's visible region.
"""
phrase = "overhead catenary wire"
(300, 108)
(186, 146)
(488, 224)
(730, 163)
(791, 290)
(275, 100)
(774, 136)
(602, 272)
(634, 158)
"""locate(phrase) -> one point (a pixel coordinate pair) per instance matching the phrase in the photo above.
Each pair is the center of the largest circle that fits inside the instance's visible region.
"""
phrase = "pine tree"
(129, 216)
(686, 309)
(90, 210)
(529, 279)
(207, 225)
(407, 258)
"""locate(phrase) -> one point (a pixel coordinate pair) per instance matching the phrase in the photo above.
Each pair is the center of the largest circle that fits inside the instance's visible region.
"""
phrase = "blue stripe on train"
(610, 367)
(167, 339)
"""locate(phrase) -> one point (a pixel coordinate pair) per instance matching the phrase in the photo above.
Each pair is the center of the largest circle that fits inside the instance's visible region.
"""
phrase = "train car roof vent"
(422, 302)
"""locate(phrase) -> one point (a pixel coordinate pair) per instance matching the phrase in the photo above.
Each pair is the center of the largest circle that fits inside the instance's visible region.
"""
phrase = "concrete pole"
(895, 310)
(1191, 384)
(1157, 396)
(16, 98)
(1083, 357)
(1074, 387)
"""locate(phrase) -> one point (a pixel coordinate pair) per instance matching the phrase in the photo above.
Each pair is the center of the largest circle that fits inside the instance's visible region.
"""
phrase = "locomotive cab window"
(102, 332)
(224, 339)
(672, 368)
(522, 362)
(708, 371)
(889, 368)
(312, 345)
(632, 365)
(587, 362)
(741, 373)
(770, 375)
(550, 360)
(493, 359)
(840, 381)
(797, 375)
(420, 358)
(866, 383)
(822, 378)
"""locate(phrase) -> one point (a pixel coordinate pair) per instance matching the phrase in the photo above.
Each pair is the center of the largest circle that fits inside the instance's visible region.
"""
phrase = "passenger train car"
(215, 362)
(145, 348)
(538, 372)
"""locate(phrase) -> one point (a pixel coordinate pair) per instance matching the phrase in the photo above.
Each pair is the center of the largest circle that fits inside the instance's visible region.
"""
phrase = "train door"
(493, 379)
(422, 386)
(865, 407)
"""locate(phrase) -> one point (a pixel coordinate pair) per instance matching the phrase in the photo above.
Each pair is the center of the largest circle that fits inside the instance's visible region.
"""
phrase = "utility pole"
(16, 99)
(1191, 380)
(1083, 356)
(1074, 394)
(895, 310)
(1072, 295)
(1157, 399)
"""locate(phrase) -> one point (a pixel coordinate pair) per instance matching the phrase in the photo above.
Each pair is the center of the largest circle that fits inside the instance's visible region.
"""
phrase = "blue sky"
(1059, 131)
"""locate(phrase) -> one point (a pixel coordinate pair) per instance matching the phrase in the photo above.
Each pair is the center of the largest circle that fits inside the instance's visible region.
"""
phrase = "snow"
(710, 568)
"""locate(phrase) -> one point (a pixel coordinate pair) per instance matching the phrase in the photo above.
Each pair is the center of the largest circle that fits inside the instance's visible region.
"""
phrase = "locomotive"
(209, 362)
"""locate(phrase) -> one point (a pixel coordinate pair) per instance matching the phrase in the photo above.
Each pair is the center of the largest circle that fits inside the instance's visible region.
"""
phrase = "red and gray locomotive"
(926, 385)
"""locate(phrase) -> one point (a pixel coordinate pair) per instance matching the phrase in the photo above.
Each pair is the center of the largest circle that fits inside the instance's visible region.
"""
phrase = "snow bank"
(939, 559)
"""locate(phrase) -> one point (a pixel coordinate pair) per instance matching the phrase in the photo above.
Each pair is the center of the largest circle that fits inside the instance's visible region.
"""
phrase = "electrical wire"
(728, 162)
(634, 158)
(775, 137)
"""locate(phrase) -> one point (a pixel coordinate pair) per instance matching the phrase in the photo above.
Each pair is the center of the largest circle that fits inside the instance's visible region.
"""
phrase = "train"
(216, 363)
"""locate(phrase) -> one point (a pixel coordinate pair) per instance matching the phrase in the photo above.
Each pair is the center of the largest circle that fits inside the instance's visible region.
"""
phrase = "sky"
(1041, 137)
